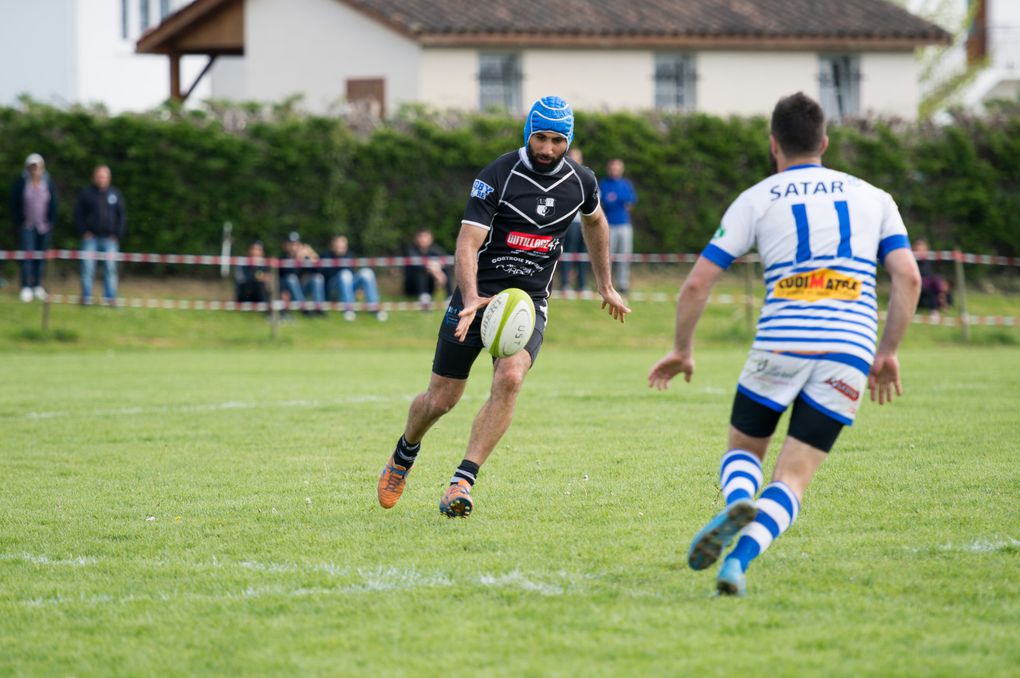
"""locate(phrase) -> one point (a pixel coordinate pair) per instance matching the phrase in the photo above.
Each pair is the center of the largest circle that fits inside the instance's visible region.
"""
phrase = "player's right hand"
(671, 364)
(617, 308)
(467, 316)
(884, 377)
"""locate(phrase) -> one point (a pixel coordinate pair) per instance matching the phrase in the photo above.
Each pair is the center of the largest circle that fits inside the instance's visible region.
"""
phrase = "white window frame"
(676, 78)
(839, 85)
(499, 81)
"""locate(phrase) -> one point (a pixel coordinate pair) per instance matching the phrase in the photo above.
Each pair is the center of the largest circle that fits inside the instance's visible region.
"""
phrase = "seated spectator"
(422, 280)
(251, 280)
(343, 282)
(935, 290)
(301, 280)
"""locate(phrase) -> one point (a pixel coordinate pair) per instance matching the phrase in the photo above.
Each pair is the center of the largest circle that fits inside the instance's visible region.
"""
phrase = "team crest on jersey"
(481, 190)
(546, 207)
(822, 283)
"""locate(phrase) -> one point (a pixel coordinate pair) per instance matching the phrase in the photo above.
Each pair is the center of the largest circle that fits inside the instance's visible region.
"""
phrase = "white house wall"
(590, 79)
(228, 78)
(728, 82)
(37, 49)
(1004, 34)
(315, 46)
(888, 85)
(750, 83)
(66, 52)
(109, 71)
(449, 78)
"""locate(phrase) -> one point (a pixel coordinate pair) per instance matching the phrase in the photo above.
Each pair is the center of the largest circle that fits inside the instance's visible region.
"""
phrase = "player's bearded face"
(545, 150)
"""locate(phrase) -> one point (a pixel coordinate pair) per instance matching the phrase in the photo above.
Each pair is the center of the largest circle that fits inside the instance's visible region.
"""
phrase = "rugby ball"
(508, 322)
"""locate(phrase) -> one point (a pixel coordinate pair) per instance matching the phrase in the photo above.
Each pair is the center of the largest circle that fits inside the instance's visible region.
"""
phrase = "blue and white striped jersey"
(820, 235)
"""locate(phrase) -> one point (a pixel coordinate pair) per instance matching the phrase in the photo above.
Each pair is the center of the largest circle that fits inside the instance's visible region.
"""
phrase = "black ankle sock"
(468, 470)
(405, 453)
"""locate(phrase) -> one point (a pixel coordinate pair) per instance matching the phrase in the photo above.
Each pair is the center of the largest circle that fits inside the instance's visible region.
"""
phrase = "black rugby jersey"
(527, 215)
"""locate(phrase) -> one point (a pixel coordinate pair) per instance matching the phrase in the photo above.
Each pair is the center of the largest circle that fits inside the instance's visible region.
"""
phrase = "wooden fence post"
(961, 295)
(46, 299)
(274, 309)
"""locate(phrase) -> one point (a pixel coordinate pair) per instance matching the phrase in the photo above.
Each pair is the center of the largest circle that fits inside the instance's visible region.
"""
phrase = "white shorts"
(776, 379)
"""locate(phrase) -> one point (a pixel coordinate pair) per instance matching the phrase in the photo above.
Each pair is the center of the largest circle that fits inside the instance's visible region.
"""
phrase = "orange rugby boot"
(456, 502)
(391, 483)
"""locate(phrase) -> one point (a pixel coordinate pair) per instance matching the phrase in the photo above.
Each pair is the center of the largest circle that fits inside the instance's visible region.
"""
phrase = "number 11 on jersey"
(804, 230)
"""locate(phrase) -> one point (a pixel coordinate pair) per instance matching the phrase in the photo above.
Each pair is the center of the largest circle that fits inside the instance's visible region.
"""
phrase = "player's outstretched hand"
(671, 364)
(617, 308)
(884, 377)
(467, 316)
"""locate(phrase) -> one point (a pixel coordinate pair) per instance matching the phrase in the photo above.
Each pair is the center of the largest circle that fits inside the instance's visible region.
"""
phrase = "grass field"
(181, 497)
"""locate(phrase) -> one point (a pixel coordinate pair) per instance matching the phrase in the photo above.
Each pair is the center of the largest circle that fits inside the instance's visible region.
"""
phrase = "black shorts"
(807, 424)
(454, 358)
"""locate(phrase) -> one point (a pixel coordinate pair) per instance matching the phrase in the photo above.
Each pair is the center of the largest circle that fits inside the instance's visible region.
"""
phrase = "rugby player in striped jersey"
(821, 235)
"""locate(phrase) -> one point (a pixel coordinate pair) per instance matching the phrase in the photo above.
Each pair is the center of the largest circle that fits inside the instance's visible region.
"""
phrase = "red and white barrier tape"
(944, 320)
(245, 306)
(987, 259)
(212, 260)
(448, 260)
(398, 306)
(273, 262)
(974, 320)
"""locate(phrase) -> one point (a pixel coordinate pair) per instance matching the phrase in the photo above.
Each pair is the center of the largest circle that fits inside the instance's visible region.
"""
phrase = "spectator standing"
(935, 291)
(618, 197)
(34, 208)
(252, 278)
(302, 280)
(422, 280)
(100, 218)
(573, 242)
(343, 282)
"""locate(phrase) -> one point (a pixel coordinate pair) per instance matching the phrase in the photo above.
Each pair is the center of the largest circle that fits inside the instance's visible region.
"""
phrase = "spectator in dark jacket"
(252, 278)
(935, 291)
(100, 218)
(34, 208)
(421, 280)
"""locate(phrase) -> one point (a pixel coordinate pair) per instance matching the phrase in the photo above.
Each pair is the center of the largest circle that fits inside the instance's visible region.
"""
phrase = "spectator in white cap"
(34, 207)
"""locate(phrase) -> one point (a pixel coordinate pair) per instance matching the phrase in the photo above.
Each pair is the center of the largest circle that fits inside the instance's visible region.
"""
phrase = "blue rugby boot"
(731, 580)
(719, 532)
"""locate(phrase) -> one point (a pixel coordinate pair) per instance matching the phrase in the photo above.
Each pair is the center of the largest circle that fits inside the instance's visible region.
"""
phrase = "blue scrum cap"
(550, 114)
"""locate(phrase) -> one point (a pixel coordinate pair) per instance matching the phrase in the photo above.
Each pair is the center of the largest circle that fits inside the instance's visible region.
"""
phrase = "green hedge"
(272, 171)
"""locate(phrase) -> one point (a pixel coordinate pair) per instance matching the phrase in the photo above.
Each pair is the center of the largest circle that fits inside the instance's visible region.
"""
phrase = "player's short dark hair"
(798, 124)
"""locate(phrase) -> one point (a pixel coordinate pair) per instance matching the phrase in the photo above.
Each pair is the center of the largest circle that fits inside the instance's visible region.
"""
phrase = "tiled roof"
(661, 21)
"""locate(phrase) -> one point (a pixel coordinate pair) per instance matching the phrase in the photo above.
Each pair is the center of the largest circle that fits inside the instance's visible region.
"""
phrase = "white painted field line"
(517, 579)
(229, 405)
(74, 561)
(363, 580)
(209, 407)
(351, 581)
(983, 545)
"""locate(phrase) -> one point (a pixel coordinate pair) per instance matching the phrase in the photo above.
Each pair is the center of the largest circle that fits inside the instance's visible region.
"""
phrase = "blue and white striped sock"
(739, 475)
(777, 509)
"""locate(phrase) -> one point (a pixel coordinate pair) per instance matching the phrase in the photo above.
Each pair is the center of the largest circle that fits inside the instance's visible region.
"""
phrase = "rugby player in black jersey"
(520, 207)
